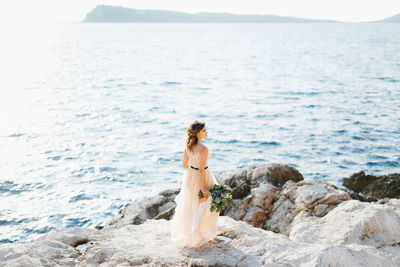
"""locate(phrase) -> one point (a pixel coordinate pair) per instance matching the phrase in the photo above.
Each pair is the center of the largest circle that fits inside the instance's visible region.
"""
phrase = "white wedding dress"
(193, 224)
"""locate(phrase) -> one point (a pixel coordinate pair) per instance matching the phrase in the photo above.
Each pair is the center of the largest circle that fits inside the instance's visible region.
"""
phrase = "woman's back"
(194, 155)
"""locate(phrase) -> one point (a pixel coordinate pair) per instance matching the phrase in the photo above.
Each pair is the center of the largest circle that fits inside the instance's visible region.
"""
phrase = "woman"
(187, 228)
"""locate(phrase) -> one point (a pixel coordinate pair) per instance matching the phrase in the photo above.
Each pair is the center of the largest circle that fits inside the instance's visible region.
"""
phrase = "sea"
(94, 115)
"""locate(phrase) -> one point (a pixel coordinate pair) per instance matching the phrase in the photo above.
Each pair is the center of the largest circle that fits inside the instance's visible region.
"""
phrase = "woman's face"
(203, 133)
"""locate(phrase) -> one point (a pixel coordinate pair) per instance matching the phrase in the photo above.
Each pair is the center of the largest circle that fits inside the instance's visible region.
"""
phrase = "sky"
(75, 10)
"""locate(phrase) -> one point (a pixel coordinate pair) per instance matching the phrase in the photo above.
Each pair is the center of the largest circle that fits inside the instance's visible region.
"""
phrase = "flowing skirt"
(183, 230)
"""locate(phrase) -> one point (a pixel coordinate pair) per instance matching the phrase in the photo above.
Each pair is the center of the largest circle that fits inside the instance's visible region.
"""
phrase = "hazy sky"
(75, 10)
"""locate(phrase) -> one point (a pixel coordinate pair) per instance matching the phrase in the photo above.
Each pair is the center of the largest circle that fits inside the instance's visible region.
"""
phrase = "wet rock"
(360, 197)
(386, 186)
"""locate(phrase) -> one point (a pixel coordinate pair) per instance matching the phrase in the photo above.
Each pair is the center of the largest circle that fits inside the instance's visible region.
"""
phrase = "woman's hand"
(206, 194)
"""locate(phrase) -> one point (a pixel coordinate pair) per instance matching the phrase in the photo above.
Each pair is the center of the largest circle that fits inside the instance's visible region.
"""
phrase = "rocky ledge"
(373, 187)
(277, 219)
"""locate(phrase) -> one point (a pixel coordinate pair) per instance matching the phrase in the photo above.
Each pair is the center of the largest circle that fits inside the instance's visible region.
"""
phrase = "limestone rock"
(58, 247)
(281, 215)
(307, 195)
(237, 244)
(314, 198)
(265, 205)
(276, 174)
(323, 227)
(352, 222)
(250, 200)
(237, 181)
(238, 209)
(260, 204)
(160, 206)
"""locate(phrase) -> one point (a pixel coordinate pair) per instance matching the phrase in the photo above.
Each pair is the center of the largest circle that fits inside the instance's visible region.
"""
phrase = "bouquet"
(221, 197)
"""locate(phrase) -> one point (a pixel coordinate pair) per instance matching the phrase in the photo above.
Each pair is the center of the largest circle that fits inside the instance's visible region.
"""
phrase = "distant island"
(392, 19)
(106, 13)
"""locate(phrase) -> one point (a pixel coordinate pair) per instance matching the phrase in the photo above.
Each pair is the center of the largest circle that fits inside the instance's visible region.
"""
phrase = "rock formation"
(385, 186)
(277, 219)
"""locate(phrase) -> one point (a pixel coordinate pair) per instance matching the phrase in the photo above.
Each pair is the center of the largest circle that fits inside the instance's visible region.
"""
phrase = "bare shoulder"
(204, 149)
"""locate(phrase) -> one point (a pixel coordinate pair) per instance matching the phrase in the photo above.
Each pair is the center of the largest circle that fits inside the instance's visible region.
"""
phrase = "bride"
(194, 224)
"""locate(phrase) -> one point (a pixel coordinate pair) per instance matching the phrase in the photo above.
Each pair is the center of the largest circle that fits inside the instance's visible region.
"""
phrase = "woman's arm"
(185, 160)
(203, 159)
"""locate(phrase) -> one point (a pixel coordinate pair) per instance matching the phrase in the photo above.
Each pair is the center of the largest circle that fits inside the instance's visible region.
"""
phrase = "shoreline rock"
(374, 187)
(276, 218)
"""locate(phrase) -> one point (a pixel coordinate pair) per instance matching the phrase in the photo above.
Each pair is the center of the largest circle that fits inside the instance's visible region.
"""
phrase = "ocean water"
(94, 116)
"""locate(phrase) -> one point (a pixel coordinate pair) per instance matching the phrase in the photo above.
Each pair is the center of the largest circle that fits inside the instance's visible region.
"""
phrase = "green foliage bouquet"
(221, 197)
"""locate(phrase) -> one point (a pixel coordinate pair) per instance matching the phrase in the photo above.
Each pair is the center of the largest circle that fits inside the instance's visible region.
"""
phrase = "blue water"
(93, 116)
